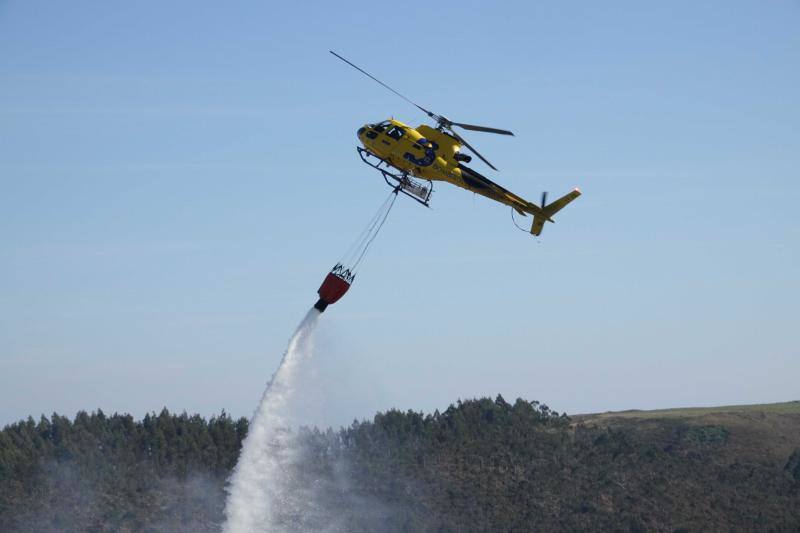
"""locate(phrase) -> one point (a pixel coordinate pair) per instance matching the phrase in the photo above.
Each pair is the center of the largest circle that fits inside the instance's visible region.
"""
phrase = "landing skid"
(412, 187)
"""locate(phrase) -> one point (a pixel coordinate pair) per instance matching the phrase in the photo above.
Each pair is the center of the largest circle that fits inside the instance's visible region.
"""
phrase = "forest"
(480, 465)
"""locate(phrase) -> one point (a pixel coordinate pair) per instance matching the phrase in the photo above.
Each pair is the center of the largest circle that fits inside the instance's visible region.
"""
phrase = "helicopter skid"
(400, 182)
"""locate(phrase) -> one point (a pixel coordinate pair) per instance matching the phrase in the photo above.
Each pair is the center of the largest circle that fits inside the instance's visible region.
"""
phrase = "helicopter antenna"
(430, 114)
(442, 122)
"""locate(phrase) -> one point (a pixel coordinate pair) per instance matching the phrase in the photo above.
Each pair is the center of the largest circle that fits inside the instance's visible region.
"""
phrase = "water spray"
(257, 490)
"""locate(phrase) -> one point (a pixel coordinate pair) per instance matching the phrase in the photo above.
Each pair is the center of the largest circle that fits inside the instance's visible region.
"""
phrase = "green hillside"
(790, 408)
(481, 465)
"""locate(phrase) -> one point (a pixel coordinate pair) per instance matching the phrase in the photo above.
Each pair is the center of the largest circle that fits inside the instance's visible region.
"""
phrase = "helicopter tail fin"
(538, 224)
(544, 213)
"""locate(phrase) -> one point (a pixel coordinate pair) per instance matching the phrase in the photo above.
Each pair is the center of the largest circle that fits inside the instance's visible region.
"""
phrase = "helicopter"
(411, 159)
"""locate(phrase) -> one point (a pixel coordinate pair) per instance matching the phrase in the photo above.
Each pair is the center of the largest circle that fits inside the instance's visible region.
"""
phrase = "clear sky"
(177, 177)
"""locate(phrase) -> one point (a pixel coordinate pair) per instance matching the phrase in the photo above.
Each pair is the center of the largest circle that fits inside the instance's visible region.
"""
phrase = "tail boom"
(542, 214)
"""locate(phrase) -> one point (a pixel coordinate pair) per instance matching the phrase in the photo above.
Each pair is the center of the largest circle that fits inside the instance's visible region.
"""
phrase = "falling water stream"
(256, 487)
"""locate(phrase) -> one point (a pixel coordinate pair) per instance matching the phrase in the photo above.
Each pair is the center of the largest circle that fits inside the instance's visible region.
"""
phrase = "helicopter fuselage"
(422, 152)
(431, 154)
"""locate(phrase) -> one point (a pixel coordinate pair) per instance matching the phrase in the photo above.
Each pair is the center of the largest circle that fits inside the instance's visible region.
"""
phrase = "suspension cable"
(366, 234)
(377, 230)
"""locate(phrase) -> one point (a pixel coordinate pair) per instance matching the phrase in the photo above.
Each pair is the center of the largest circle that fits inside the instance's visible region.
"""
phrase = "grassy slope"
(686, 412)
(766, 433)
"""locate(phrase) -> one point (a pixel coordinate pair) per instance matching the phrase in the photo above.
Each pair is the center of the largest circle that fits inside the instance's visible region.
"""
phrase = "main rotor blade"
(473, 150)
(429, 113)
(482, 128)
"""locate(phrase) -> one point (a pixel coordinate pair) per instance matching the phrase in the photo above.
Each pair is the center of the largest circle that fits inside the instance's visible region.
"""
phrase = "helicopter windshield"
(382, 126)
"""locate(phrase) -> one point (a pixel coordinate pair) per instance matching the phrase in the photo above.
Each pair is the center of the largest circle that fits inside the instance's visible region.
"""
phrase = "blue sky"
(177, 179)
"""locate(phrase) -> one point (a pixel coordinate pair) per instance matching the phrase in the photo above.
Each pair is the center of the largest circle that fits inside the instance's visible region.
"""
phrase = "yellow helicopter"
(410, 159)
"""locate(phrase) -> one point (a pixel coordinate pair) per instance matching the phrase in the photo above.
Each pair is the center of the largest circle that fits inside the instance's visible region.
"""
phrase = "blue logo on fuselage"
(427, 160)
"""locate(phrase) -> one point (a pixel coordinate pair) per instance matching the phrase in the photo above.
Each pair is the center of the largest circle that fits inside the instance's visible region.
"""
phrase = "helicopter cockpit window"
(395, 133)
(380, 127)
